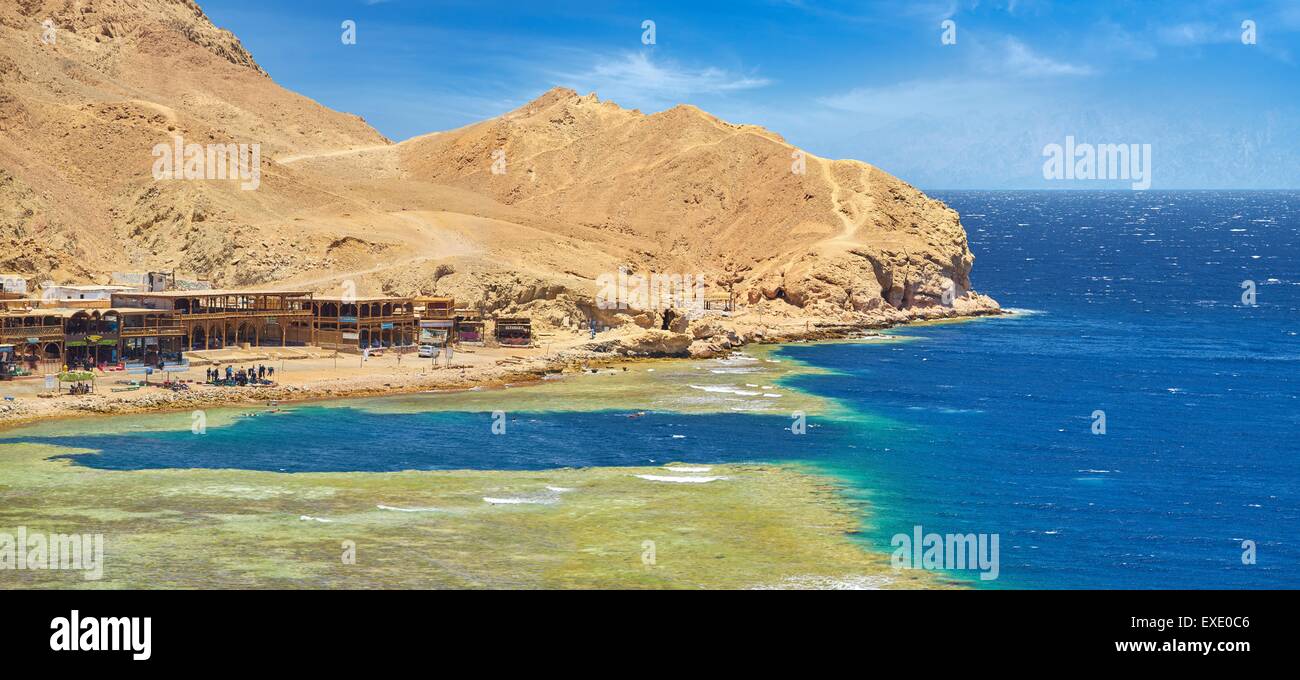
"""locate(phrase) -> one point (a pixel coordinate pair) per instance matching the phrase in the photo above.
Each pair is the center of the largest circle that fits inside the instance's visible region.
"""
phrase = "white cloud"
(1196, 33)
(924, 98)
(1019, 59)
(638, 79)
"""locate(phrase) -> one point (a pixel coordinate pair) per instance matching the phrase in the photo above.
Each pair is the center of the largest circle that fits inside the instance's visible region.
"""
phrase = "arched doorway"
(247, 333)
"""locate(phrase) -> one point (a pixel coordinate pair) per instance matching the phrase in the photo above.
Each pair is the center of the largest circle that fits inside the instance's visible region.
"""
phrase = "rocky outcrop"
(520, 214)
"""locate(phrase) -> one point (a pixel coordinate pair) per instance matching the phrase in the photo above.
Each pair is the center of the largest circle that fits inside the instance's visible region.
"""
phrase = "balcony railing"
(244, 313)
(145, 331)
(43, 333)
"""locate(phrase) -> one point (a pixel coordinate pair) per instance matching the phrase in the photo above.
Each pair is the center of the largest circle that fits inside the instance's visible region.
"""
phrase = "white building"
(157, 282)
(82, 292)
(13, 283)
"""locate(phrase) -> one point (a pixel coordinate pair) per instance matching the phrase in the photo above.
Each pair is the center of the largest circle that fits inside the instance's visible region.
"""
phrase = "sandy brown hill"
(702, 194)
(80, 115)
(588, 187)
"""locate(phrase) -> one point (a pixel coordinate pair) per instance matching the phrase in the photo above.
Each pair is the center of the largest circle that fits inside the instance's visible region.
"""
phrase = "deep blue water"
(329, 439)
(1137, 313)
(1140, 316)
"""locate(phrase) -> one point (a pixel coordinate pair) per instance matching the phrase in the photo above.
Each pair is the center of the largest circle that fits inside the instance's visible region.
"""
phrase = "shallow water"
(982, 427)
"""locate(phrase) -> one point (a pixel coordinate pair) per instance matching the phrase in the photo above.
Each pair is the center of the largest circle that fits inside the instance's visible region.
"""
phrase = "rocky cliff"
(523, 213)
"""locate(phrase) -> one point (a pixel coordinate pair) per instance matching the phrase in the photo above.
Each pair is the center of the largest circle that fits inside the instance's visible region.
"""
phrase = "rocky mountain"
(520, 213)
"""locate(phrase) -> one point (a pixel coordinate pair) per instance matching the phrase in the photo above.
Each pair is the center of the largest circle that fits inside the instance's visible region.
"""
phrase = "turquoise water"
(982, 427)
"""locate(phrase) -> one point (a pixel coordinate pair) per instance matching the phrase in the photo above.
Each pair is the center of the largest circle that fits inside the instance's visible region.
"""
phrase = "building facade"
(350, 324)
(214, 319)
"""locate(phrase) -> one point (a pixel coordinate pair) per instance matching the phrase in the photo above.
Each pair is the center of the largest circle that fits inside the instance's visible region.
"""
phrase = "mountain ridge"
(520, 213)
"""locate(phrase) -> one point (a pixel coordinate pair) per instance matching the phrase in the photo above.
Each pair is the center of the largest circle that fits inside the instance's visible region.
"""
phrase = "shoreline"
(833, 555)
(503, 373)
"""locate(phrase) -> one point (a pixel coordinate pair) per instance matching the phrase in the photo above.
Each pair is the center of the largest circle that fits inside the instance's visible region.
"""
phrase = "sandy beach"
(307, 374)
(715, 525)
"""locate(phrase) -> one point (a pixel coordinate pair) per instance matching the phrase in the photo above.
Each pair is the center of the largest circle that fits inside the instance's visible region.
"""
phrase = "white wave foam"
(309, 518)
(679, 480)
(724, 389)
(518, 501)
(828, 583)
(397, 509)
(698, 468)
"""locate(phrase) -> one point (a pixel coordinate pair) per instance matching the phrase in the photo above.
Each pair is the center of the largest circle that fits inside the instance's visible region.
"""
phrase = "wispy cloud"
(1197, 33)
(923, 98)
(1019, 59)
(640, 80)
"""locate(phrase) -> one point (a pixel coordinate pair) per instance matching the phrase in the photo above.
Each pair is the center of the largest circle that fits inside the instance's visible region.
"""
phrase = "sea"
(1135, 423)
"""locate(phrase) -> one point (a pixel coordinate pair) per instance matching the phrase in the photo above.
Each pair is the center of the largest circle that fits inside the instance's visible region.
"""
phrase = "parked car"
(428, 351)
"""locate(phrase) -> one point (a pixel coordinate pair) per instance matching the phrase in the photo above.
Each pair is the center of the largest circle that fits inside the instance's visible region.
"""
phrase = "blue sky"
(867, 80)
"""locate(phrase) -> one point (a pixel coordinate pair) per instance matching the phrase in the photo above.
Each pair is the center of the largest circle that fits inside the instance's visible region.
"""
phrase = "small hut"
(514, 331)
(469, 327)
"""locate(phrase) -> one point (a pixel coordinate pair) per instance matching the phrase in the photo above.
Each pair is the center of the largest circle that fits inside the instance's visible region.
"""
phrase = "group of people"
(80, 365)
(253, 375)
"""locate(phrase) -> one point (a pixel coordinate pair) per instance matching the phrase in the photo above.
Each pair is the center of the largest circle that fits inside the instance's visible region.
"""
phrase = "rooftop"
(91, 286)
(359, 299)
(217, 293)
(69, 312)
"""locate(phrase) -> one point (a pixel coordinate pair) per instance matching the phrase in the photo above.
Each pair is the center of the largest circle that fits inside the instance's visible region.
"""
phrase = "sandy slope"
(589, 187)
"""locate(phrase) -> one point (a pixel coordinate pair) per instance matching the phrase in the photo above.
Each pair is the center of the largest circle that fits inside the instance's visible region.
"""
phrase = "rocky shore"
(484, 367)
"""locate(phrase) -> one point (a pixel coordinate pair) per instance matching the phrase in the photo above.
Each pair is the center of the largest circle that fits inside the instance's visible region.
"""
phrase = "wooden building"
(48, 338)
(437, 320)
(514, 331)
(719, 302)
(355, 324)
(36, 336)
(427, 307)
(212, 319)
(469, 327)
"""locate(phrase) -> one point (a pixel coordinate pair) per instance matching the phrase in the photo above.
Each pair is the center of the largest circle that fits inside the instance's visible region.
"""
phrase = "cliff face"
(524, 212)
(82, 106)
(705, 195)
